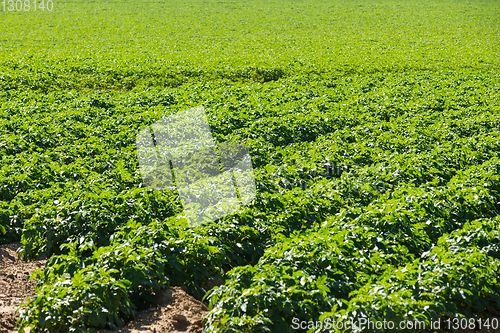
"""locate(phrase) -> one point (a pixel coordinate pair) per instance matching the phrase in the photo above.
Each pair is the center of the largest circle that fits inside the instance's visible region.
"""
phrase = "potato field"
(374, 134)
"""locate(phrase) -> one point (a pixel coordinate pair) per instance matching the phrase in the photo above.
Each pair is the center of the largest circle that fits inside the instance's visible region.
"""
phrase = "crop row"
(421, 253)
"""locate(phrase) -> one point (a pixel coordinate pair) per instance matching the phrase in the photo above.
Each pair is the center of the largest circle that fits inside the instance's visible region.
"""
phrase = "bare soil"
(14, 284)
(172, 311)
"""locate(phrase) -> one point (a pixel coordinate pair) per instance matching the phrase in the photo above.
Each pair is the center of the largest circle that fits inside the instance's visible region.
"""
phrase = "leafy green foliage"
(458, 276)
(375, 145)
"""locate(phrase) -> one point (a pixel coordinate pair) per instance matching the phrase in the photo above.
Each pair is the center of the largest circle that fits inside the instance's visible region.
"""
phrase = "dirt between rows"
(173, 310)
(14, 284)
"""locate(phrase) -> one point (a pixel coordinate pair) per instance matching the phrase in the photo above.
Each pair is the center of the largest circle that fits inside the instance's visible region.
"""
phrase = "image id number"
(471, 323)
(26, 5)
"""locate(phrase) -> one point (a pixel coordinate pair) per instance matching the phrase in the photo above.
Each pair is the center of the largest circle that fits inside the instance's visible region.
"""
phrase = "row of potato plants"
(422, 253)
